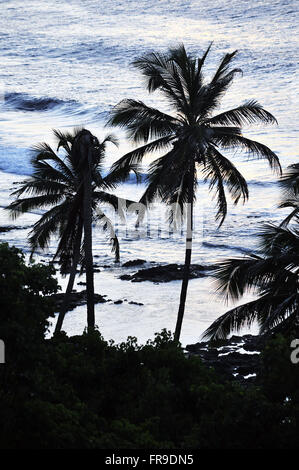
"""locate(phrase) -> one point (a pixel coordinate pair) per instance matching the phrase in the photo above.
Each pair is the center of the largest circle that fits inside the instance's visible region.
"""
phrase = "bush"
(82, 392)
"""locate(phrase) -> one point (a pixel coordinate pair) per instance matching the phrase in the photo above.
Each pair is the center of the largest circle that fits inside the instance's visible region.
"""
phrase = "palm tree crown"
(191, 136)
(57, 182)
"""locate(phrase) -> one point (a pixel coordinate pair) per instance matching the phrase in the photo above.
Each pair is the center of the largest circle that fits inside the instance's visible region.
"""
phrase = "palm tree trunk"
(87, 213)
(188, 253)
(70, 284)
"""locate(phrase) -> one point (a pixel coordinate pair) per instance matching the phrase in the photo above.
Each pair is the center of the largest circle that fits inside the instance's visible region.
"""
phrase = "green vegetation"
(82, 392)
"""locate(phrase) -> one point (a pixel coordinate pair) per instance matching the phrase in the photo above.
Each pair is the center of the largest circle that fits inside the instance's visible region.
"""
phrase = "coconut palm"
(58, 182)
(82, 152)
(274, 276)
(190, 137)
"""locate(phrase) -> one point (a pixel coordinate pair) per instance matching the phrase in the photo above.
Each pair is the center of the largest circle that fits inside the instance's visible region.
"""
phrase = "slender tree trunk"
(87, 214)
(188, 253)
(70, 284)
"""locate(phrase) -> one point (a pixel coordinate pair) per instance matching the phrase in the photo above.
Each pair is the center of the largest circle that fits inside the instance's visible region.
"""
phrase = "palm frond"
(223, 68)
(290, 179)
(236, 318)
(200, 64)
(278, 240)
(133, 158)
(250, 112)
(43, 153)
(107, 226)
(161, 73)
(274, 278)
(253, 148)
(235, 182)
(43, 187)
(213, 174)
(286, 306)
(112, 139)
(236, 276)
(68, 231)
(151, 66)
(210, 94)
(120, 205)
(141, 122)
(120, 175)
(294, 214)
(47, 226)
(21, 206)
(43, 170)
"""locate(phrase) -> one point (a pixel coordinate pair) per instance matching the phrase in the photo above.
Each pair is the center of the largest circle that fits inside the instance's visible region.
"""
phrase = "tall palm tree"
(274, 276)
(82, 151)
(190, 137)
(58, 182)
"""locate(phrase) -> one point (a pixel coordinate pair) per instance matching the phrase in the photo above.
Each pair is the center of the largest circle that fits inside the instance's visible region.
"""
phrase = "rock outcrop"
(167, 273)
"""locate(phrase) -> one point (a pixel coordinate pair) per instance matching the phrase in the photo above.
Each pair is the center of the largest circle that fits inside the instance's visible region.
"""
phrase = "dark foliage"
(82, 392)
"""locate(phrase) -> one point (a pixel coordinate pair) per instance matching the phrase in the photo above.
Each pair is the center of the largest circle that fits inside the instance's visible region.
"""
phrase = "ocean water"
(67, 63)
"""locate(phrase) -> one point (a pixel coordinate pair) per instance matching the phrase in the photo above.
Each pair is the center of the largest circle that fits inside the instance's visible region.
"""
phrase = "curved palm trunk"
(87, 214)
(187, 260)
(70, 285)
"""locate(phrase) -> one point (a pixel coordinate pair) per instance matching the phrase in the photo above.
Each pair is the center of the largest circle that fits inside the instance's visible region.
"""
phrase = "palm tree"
(82, 151)
(190, 137)
(274, 276)
(58, 182)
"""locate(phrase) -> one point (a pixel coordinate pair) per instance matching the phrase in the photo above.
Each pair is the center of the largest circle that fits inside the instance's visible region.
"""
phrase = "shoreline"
(160, 301)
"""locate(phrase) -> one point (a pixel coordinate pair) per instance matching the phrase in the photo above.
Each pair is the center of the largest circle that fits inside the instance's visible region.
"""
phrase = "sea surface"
(67, 63)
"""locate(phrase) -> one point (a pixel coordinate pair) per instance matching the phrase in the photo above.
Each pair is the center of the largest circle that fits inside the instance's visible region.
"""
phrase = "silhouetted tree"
(59, 181)
(190, 138)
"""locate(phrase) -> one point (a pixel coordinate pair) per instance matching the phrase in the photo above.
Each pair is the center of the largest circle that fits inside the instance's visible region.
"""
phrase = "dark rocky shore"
(236, 358)
(165, 273)
(79, 298)
(9, 228)
(76, 299)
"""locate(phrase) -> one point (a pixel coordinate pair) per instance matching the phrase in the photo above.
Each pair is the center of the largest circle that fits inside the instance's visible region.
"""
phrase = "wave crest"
(26, 102)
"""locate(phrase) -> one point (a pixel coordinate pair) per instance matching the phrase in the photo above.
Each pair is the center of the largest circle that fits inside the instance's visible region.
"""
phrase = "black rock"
(134, 262)
(76, 299)
(7, 228)
(166, 273)
(224, 357)
(125, 277)
(117, 302)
